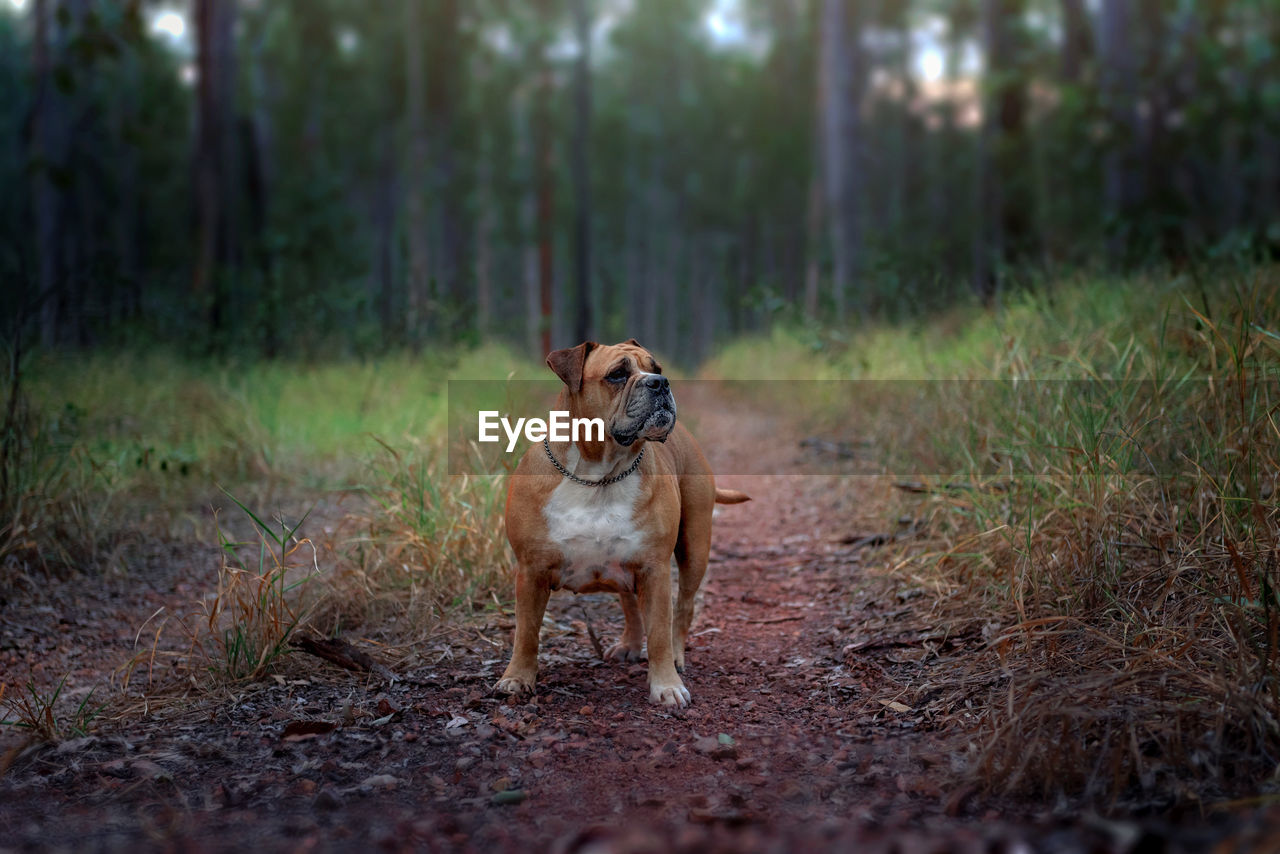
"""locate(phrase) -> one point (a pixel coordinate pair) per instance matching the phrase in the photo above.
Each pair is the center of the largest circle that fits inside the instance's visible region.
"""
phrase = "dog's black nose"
(657, 382)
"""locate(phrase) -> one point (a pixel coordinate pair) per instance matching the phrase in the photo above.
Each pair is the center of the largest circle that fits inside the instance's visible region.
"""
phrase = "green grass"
(137, 413)
(149, 446)
(37, 711)
(1075, 328)
(1121, 532)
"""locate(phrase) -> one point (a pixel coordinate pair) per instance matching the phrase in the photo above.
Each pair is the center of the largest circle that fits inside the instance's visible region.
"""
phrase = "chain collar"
(573, 477)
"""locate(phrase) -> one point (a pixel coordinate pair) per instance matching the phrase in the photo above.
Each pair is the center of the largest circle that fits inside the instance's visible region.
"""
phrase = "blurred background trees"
(328, 177)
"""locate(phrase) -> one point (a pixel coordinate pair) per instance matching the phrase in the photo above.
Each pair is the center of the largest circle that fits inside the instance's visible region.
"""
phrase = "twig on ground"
(344, 655)
(591, 633)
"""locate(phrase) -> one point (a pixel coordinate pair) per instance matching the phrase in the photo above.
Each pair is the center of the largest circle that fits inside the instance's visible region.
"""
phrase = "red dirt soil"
(796, 739)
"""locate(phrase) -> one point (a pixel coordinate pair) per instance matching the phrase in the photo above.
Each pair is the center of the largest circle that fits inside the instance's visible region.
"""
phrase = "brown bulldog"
(606, 516)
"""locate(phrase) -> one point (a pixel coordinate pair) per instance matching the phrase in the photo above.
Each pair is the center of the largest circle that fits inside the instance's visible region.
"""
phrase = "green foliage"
(248, 623)
(37, 712)
(49, 517)
(705, 179)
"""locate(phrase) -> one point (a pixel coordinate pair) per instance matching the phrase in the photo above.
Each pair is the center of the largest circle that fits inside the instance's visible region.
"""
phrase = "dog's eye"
(617, 375)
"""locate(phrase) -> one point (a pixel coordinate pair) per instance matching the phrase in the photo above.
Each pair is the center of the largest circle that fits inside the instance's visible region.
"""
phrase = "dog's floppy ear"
(568, 363)
(633, 341)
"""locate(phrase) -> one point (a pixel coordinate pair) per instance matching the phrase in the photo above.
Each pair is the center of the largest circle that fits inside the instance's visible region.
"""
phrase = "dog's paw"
(514, 684)
(674, 694)
(622, 652)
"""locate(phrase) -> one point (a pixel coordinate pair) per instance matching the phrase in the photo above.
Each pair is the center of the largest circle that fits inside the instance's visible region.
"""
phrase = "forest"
(971, 306)
(312, 176)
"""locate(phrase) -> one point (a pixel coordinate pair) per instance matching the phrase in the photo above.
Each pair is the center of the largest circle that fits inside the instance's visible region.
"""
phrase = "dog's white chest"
(595, 529)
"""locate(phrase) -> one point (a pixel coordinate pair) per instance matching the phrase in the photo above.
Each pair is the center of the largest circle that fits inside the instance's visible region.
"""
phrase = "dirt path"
(796, 739)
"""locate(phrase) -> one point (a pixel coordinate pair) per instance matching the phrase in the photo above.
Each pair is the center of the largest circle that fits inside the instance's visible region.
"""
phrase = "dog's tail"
(730, 496)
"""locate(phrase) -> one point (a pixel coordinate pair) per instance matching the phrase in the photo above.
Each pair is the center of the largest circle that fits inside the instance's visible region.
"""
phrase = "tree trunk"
(127, 304)
(901, 155)
(215, 157)
(842, 133)
(256, 136)
(791, 24)
(1002, 239)
(813, 244)
(653, 257)
(419, 279)
(1076, 40)
(256, 207)
(813, 219)
(443, 85)
(1119, 94)
(1011, 150)
(526, 159)
(634, 236)
(581, 168)
(668, 293)
(942, 151)
(44, 156)
(1266, 200)
(545, 210)
(484, 240)
(384, 224)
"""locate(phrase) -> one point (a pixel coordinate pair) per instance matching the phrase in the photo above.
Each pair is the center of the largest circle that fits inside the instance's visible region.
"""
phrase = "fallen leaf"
(327, 800)
(380, 781)
(302, 730)
(715, 748)
(149, 770)
(956, 801)
(895, 706)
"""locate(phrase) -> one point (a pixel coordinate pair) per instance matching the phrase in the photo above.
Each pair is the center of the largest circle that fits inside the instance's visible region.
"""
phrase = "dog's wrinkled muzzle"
(650, 411)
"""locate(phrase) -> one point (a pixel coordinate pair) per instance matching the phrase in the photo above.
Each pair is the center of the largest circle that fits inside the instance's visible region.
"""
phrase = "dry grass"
(422, 547)
(1101, 526)
(426, 546)
(50, 516)
(238, 631)
(1136, 655)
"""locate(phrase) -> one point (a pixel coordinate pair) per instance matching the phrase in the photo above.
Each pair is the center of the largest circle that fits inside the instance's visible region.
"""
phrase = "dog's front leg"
(531, 603)
(665, 685)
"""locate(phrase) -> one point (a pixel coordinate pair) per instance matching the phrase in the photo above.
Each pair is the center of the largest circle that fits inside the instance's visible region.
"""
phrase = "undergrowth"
(37, 712)
(424, 545)
(246, 626)
(1099, 469)
(399, 544)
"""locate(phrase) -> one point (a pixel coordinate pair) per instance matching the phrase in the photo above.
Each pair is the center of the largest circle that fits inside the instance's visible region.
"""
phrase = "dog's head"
(621, 383)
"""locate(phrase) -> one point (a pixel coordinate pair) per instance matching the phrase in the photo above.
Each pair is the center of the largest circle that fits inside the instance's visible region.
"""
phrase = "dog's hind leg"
(631, 645)
(692, 552)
